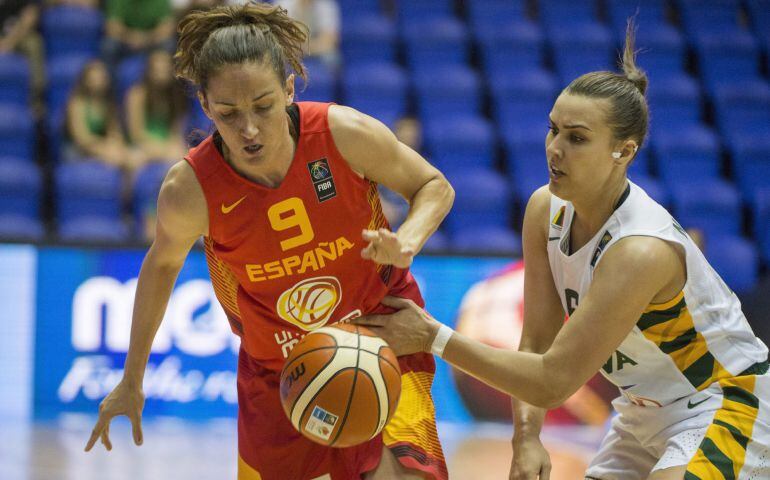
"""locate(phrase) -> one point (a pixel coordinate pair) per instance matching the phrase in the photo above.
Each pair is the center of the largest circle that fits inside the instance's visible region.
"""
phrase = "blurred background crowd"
(91, 115)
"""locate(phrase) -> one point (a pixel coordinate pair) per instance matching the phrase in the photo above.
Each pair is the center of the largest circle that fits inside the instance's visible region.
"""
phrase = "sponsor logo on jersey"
(229, 208)
(691, 404)
(323, 182)
(600, 248)
(310, 303)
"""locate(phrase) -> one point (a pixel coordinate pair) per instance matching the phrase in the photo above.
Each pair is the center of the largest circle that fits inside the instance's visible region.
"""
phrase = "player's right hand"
(123, 400)
(530, 460)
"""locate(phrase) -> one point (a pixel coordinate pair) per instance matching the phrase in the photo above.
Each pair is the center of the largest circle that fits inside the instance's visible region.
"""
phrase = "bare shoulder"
(641, 255)
(537, 212)
(181, 200)
(349, 126)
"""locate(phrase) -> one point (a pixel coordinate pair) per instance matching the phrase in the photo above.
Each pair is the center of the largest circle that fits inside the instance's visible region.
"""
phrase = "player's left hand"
(408, 330)
(385, 248)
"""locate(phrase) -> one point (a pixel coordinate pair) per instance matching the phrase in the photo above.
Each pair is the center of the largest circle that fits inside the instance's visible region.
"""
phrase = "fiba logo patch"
(310, 303)
(323, 181)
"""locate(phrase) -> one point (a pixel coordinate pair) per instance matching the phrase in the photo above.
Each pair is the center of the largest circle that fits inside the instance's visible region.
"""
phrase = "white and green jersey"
(676, 348)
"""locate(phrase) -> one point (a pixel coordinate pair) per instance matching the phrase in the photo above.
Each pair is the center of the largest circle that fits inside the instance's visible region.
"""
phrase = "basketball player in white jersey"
(645, 309)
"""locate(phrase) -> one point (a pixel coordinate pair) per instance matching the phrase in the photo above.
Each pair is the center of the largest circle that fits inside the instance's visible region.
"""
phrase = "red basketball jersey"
(286, 260)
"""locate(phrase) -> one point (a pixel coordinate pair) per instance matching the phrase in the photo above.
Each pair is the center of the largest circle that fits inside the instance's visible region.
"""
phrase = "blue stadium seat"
(484, 14)
(20, 188)
(524, 99)
(436, 41)
(94, 229)
(461, 142)
(496, 240)
(714, 206)
(525, 159)
(579, 48)
(554, 12)
(661, 48)
(87, 189)
(411, 12)
(450, 90)
(507, 49)
(725, 59)
(69, 29)
(675, 102)
(17, 132)
(654, 188)
(146, 189)
(688, 154)
(743, 108)
(378, 89)
(482, 198)
(735, 259)
(321, 85)
(760, 217)
(14, 78)
(759, 16)
(370, 38)
(352, 10)
(647, 12)
(702, 16)
(751, 163)
(19, 227)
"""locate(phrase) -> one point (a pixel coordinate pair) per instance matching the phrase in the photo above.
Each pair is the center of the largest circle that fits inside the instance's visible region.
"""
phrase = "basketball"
(340, 385)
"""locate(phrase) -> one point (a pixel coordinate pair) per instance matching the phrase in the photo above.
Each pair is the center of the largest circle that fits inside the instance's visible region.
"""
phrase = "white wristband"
(439, 343)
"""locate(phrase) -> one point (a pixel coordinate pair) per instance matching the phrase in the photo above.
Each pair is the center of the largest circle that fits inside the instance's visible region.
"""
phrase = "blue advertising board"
(84, 300)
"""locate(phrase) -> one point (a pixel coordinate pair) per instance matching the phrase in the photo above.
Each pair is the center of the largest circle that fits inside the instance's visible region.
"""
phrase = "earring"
(616, 155)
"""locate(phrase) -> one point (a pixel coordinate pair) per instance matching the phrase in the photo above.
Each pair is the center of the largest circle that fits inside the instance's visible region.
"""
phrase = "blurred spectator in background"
(182, 7)
(156, 111)
(492, 311)
(137, 26)
(323, 19)
(18, 34)
(409, 132)
(78, 3)
(93, 125)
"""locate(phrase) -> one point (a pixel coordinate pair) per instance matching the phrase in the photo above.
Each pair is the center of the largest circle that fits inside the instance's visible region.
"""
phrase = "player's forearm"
(428, 208)
(522, 375)
(154, 287)
(528, 419)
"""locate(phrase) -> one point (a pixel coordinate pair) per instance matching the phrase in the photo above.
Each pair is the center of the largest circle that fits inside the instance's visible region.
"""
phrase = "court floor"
(180, 449)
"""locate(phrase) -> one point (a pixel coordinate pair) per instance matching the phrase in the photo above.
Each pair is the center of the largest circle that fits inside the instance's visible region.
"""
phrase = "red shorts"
(270, 448)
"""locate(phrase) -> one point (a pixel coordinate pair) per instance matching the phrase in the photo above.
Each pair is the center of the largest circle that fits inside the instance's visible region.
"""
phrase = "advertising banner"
(84, 300)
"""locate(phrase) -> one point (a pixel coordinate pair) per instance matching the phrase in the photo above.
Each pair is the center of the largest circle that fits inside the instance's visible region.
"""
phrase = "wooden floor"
(175, 449)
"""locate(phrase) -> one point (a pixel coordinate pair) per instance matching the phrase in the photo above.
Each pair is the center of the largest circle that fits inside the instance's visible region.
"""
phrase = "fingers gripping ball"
(340, 385)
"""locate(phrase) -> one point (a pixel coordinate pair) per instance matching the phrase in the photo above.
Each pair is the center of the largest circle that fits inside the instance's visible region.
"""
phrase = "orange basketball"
(340, 385)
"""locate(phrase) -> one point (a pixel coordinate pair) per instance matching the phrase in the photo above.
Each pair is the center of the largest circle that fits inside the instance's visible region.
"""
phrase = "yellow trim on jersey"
(246, 472)
(670, 326)
(722, 452)
(415, 418)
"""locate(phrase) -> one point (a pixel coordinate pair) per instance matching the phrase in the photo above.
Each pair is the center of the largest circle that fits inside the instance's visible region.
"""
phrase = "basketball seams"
(352, 390)
(317, 373)
(311, 403)
(379, 410)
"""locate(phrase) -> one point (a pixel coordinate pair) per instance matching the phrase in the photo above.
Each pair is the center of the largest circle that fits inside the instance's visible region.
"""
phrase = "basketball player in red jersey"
(281, 193)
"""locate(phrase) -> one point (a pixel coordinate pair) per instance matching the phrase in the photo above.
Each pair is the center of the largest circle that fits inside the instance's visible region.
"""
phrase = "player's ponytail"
(629, 115)
(254, 32)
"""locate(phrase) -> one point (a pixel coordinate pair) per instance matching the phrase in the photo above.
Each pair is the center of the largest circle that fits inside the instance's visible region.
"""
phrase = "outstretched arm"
(373, 151)
(631, 274)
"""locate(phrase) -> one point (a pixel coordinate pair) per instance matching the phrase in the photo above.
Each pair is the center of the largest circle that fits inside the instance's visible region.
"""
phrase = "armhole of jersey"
(365, 182)
(209, 204)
